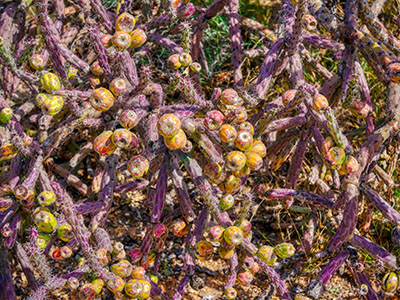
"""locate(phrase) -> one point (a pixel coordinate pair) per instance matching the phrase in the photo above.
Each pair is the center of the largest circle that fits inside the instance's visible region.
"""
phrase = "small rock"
(210, 297)
(197, 282)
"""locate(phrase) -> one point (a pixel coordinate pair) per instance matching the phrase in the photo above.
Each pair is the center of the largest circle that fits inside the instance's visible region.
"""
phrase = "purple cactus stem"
(7, 289)
(15, 171)
(106, 194)
(102, 12)
(165, 42)
(160, 193)
(365, 95)
(321, 42)
(101, 52)
(233, 264)
(102, 238)
(297, 162)
(361, 278)
(373, 249)
(73, 59)
(71, 179)
(161, 21)
(33, 175)
(268, 68)
(202, 21)
(15, 226)
(128, 68)
(349, 221)
(26, 265)
(385, 208)
(80, 231)
(236, 41)
(132, 185)
(147, 240)
(385, 177)
(181, 188)
(333, 266)
(302, 195)
(51, 39)
(285, 123)
(315, 288)
(89, 207)
(77, 273)
(5, 216)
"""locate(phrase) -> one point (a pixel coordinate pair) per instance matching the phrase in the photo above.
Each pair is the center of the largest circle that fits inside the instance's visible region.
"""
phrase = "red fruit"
(245, 278)
(103, 144)
(214, 172)
(37, 61)
(233, 235)
(246, 126)
(267, 255)
(138, 166)
(134, 142)
(195, 67)
(96, 69)
(103, 256)
(394, 72)
(129, 119)
(40, 99)
(336, 156)
(106, 40)
(177, 141)
(119, 86)
(125, 22)
(254, 161)
(187, 147)
(122, 138)
(203, 250)
(116, 284)
(235, 160)
(245, 226)
(351, 165)
(259, 148)
(138, 38)
(133, 288)
(160, 230)
(185, 11)
(309, 22)
(237, 114)
(231, 184)
(174, 62)
(320, 103)
(138, 273)
(94, 81)
(168, 125)
(123, 268)
(185, 59)
(230, 97)
(243, 140)
(179, 228)
(121, 40)
(135, 255)
(327, 144)
(216, 232)
(242, 172)
(214, 119)
(226, 202)
(230, 293)
(227, 133)
(101, 99)
(360, 109)
(226, 253)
